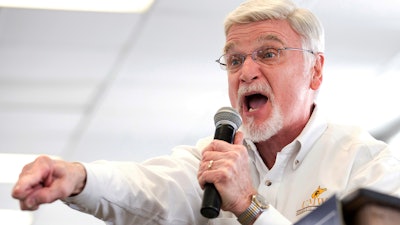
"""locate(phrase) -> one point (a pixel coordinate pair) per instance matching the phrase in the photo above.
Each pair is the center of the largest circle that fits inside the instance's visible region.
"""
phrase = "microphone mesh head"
(228, 115)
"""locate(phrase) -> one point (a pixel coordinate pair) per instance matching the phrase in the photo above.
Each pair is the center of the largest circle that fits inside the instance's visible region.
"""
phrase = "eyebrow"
(261, 39)
(269, 37)
(228, 47)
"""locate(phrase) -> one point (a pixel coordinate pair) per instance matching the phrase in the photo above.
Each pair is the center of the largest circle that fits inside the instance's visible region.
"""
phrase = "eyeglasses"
(267, 55)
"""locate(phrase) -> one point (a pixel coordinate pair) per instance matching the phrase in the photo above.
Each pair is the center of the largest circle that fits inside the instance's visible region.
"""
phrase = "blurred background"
(83, 85)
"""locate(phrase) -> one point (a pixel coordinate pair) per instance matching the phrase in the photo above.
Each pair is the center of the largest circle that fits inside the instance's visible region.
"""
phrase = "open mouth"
(254, 102)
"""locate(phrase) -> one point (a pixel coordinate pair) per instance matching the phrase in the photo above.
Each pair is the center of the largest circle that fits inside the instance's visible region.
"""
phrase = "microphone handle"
(211, 204)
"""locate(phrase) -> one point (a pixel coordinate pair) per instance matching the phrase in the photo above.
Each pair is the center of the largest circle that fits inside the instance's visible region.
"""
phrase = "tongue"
(256, 101)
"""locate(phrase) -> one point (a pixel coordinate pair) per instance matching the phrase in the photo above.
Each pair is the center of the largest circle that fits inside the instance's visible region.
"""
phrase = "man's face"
(269, 97)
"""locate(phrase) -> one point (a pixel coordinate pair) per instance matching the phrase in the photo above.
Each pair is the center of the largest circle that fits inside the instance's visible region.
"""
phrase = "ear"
(316, 78)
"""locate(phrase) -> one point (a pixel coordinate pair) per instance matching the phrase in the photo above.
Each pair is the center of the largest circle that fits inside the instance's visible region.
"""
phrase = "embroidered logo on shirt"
(318, 192)
(312, 203)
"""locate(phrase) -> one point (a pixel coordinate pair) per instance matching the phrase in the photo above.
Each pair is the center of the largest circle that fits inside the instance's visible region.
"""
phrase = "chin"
(264, 131)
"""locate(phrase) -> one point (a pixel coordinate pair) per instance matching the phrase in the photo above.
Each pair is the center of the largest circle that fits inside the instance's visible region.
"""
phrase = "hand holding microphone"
(227, 121)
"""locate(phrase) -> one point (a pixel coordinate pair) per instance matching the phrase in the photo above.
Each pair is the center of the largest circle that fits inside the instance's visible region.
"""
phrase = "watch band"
(252, 212)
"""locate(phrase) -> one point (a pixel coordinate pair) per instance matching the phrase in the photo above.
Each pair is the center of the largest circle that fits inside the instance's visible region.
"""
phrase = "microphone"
(227, 120)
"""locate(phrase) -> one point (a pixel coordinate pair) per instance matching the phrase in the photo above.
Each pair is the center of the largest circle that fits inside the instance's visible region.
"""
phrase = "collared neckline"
(314, 128)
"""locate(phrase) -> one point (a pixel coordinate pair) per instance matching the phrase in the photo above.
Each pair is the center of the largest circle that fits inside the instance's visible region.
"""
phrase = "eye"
(234, 60)
(267, 54)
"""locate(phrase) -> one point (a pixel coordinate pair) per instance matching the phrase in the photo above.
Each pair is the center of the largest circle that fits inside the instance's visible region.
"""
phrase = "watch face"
(261, 201)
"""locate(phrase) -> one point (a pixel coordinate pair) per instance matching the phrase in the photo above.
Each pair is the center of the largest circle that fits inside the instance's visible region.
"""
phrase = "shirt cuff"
(271, 216)
(88, 199)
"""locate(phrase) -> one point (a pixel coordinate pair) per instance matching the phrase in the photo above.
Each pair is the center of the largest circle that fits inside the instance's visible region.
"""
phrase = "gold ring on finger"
(210, 164)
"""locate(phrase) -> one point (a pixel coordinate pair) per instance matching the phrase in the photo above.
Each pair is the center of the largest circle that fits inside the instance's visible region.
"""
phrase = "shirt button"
(268, 182)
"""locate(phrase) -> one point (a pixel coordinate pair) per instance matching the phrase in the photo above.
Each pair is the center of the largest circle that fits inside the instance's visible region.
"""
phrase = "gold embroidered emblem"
(318, 192)
(312, 203)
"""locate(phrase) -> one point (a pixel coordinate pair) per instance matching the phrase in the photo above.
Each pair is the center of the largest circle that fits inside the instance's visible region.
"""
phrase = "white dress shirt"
(325, 159)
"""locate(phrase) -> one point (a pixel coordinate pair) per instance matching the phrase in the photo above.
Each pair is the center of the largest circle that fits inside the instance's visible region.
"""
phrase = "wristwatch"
(257, 206)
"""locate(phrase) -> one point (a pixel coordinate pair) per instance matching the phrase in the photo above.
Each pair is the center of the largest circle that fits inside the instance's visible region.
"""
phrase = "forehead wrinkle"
(261, 39)
(269, 37)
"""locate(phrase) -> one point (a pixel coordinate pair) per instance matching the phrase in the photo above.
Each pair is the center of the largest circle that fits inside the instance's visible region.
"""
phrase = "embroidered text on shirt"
(313, 202)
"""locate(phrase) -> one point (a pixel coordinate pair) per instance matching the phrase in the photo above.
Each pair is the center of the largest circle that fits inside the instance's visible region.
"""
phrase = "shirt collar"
(314, 128)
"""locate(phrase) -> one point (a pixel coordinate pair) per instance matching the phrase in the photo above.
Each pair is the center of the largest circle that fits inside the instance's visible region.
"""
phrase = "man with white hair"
(285, 161)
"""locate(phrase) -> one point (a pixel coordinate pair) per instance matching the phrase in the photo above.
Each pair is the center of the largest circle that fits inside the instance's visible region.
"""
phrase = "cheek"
(292, 95)
(285, 89)
(233, 91)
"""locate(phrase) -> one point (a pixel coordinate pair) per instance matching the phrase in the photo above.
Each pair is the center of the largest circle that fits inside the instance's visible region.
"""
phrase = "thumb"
(238, 138)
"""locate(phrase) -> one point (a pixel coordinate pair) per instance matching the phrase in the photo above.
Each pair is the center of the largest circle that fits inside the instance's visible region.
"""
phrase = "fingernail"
(30, 202)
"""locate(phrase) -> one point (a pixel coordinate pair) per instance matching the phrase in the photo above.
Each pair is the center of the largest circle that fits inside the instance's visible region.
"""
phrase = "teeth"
(251, 110)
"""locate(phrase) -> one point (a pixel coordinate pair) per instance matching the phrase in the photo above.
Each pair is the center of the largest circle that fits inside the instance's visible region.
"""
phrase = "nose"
(250, 70)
